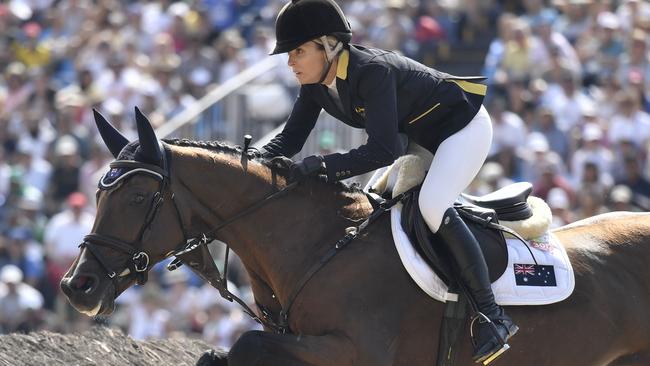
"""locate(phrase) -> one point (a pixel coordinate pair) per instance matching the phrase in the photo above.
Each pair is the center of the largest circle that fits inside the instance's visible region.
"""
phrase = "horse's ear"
(149, 146)
(113, 139)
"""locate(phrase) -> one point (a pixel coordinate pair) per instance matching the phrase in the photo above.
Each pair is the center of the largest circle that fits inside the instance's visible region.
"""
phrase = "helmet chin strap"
(330, 54)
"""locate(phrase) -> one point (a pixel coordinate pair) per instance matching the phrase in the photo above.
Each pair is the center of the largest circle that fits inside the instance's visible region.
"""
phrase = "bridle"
(185, 252)
(139, 260)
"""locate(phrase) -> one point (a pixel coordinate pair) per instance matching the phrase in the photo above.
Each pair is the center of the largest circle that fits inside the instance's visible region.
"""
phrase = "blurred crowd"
(569, 100)
(569, 97)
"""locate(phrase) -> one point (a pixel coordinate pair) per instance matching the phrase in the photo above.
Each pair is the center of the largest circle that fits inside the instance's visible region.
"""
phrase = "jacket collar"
(342, 68)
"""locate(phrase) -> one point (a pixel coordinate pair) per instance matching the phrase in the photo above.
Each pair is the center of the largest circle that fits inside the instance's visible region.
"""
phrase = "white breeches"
(455, 164)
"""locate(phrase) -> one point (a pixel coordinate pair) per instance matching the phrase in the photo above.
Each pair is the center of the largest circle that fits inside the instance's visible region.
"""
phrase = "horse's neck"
(278, 241)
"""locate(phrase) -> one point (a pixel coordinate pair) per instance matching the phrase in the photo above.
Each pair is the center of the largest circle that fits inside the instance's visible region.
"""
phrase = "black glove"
(309, 166)
(280, 162)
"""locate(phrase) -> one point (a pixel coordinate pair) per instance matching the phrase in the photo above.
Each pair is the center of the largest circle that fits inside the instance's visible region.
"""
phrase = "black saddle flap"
(431, 248)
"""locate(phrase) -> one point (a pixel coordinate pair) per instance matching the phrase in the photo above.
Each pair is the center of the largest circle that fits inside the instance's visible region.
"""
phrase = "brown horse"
(361, 308)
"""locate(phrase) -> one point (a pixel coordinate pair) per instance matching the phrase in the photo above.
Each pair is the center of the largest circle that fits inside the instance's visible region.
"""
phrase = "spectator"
(497, 48)
(517, 60)
(393, 29)
(638, 184)
(537, 155)
(552, 41)
(29, 50)
(566, 100)
(633, 14)
(558, 201)
(63, 233)
(29, 212)
(147, 318)
(490, 178)
(574, 20)
(600, 52)
(35, 171)
(180, 300)
(593, 182)
(94, 167)
(558, 141)
(223, 324)
(549, 179)
(20, 303)
(592, 152)
(635, 64)
(232, 61)
(509, 131)
(65, 175)
(196, 56)
(22, 251)
(5, 175)
(590, 202)
(630, 122)
(18, 89)
(620, 199)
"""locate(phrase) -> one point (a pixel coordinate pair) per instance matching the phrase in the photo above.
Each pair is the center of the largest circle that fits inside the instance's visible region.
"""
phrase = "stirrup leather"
(501, 346)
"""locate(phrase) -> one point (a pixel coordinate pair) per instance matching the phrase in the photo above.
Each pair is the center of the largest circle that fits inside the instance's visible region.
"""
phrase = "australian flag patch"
(111, 177)
(113, 174)
(534, 275)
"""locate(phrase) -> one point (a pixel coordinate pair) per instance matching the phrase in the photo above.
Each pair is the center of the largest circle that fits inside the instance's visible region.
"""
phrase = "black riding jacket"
(386, 94)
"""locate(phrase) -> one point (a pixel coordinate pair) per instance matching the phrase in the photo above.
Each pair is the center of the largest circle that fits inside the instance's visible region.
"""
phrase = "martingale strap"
(201, 261)
(351, 234)
(197, 256)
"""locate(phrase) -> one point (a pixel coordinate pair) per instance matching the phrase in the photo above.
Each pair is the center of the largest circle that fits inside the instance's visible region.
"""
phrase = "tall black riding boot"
(491, 327)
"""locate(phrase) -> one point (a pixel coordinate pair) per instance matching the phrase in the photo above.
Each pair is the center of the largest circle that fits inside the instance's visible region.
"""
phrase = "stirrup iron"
(487, 359)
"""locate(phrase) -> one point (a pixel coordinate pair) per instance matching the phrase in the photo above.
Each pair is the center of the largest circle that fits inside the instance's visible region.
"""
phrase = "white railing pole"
(216, 95)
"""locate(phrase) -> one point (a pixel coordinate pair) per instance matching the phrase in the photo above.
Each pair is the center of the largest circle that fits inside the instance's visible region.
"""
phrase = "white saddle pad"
(513, 287)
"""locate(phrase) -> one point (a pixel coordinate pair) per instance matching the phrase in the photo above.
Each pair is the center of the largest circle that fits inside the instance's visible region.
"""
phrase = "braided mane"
(224, 147)
(217, 146)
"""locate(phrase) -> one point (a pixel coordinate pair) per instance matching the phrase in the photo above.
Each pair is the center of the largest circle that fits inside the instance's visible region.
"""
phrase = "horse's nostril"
(82, 283)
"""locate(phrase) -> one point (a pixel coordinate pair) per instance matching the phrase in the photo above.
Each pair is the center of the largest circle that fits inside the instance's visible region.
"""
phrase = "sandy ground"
(98, 346)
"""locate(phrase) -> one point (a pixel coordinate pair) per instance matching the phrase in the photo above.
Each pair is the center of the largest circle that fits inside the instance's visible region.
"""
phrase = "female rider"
(387, 94)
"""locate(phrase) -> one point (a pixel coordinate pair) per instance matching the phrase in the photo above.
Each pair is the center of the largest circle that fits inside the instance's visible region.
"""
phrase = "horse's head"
(137, 223)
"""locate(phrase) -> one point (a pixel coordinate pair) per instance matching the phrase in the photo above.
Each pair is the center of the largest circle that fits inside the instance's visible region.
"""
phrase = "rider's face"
(307, 62)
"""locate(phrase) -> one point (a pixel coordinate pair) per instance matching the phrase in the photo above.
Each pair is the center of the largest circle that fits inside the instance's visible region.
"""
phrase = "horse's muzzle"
(88, 294)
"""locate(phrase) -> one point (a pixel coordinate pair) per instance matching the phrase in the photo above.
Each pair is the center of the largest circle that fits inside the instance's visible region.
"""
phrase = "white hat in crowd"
(11, 274)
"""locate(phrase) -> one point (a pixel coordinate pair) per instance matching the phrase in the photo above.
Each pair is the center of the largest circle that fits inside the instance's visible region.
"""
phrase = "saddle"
(511, 205)
(510, 213)
(481, 214)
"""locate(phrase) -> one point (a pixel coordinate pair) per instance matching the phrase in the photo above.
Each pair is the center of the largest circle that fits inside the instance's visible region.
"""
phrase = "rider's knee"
(431, 210)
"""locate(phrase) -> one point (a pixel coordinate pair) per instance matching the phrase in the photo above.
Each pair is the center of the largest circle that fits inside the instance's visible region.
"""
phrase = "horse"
(359, 308)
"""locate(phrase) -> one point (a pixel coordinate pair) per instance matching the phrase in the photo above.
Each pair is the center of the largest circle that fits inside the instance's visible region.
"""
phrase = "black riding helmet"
(300, 21)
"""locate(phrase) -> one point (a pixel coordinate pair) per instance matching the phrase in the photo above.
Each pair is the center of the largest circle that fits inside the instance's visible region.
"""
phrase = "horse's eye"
(138, 198)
